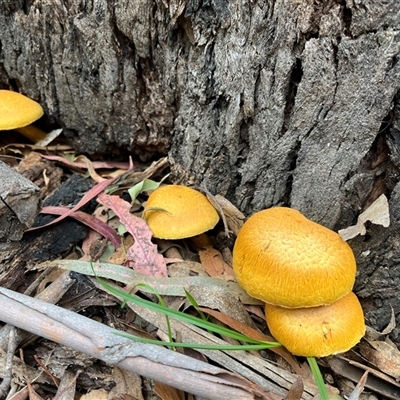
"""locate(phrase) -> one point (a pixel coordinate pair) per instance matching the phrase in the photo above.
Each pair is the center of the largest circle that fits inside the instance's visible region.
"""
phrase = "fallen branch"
(100, 341)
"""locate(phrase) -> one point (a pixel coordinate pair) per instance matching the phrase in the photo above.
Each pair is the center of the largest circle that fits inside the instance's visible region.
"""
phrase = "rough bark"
(266, 102)
(19, 205)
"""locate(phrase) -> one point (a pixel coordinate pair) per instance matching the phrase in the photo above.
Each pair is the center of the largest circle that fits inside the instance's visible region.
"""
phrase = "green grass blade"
(194, 303)
(184, 317)
(319, 380)
(162, 302)
(196, 345)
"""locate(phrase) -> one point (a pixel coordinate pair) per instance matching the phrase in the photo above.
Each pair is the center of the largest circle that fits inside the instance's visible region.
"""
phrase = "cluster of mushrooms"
(303, 271)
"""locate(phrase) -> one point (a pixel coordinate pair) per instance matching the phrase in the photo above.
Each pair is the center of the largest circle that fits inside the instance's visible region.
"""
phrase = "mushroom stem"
(32, 133)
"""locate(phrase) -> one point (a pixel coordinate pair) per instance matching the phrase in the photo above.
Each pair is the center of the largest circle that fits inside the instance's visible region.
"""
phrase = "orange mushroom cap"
(17, 110)
(318, 331)
(178, 212)
(283, 258)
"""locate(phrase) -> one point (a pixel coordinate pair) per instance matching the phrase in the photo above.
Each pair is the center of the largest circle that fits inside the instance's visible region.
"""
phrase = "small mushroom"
(318, 331)
(178, 212)
(17, 112)
(283, 258)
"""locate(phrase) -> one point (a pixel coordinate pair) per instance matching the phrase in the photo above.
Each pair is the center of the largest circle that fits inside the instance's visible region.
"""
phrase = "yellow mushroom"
(283, 258)
(17, 112)
(178, 212)
(318, 331)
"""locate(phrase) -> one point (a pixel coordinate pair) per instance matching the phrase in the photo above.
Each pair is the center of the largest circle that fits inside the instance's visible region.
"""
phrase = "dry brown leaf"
(126, 383)
(377, 213)
(99, 394)
(376, 381)
(355, 395)
(234, 218)
(43, 173)
(296, 390)
(32, 394)
(185, 269)
(119, 257)
(67, 388)
(93, 246)
(215, 265)
(382, 355)
(167, 392)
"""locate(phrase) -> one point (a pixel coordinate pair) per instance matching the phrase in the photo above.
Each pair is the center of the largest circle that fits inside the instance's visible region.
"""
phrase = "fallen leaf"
(92, 193)
(215, 265)
(91, 169)
(93, 246)
(382, 355)
(210, 287)
(89, 220)
(95, 164)
(126, 383)
(296, 390)
(119, 256)
(167, 392)
(355, 395)
(50, 136)
(32, 394)
(377, 213)
(372, 334)
(143, 252)
(99, 394)
(234, 218)
(67, 387)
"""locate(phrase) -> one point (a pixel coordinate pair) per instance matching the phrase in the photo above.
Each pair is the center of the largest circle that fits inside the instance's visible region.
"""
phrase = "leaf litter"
(216, 292)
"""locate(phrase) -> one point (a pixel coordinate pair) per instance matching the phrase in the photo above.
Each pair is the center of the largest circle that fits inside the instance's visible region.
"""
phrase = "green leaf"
(144, 186)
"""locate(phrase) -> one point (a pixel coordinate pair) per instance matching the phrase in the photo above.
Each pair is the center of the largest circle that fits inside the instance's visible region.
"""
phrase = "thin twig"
(12, 345)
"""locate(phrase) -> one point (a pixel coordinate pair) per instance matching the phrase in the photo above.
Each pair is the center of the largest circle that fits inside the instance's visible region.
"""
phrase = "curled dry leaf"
(234, 218)
(372, 334)
(377, 213)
